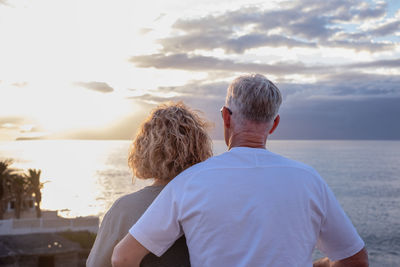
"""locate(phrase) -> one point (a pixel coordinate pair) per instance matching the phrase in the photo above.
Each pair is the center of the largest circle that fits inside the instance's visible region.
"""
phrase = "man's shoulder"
(299, 169)
(267, 158)
(291, 163)
(230, 161)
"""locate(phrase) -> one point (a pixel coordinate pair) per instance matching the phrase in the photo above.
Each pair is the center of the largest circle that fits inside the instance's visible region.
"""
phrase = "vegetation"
(84, 238)
(16, 187)
(35, 187)
(5, 173)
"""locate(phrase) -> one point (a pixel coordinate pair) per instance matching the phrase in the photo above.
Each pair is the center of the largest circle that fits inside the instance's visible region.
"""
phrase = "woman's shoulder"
(127, 209)
(141, 197)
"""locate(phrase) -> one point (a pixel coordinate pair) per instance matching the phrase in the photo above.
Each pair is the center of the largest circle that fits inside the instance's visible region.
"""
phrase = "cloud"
(20, 84)
(206, 63)
(365, 11)
(8, 126)
(307, 23)
(386, 28)
(123, 128)
(13, 126)
(199, 93)
(96, 86)
(357, 44)
(205, 97)
(342, 106)
(346, 85)
(199, 88)
(348, 105)
(311, 28)
(232, 45)
(11, 120)
(387, 63)
(144, 31)
(369, 118)
(368, 85)
(30, 128)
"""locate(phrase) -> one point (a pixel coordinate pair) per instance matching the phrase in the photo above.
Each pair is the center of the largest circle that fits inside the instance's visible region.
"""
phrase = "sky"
(94, 69)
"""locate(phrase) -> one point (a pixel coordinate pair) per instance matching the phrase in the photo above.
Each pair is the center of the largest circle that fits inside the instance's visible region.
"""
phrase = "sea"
(84, 177)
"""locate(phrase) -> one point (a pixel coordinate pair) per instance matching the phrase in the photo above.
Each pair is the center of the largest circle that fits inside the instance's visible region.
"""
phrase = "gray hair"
(253, 97)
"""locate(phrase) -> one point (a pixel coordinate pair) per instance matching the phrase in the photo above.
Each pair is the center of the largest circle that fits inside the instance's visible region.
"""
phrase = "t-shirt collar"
(247, 149)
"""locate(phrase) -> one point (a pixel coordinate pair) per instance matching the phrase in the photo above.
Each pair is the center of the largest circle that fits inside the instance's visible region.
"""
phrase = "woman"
(171, 139)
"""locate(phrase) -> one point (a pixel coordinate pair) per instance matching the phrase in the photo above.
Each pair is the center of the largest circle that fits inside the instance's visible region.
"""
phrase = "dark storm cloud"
(299, 23)
(342, 106)
(346, 85)
(96, 86)
(368, 85)
(369, 118)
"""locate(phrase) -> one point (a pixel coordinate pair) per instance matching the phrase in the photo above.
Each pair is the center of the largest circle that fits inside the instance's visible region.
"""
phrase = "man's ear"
(226, 117)
(276, 122)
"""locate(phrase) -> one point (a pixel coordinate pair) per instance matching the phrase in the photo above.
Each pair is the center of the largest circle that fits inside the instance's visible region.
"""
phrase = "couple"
(246, 207)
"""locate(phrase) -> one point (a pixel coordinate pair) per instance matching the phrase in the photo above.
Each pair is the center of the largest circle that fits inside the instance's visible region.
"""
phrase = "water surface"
(86, 177)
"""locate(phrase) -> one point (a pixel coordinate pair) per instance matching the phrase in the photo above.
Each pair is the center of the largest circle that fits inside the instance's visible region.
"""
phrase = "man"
(248, 206)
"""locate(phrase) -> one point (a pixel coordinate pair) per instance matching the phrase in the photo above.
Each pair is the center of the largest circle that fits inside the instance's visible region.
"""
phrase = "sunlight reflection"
(81, 177)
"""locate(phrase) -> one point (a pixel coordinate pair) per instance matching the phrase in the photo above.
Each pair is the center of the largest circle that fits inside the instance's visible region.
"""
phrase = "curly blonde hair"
(170, 140)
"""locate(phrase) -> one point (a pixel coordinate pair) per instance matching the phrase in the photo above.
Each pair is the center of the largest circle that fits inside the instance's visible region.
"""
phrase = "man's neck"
(247, 139)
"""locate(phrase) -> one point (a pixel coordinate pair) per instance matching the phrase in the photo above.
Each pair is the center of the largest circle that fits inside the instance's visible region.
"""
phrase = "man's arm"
(128, 252)
(359, 259)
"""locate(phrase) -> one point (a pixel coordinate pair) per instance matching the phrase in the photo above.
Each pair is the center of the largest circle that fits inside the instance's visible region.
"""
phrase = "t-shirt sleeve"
(100, 254)
(338, 238)
(159, 227)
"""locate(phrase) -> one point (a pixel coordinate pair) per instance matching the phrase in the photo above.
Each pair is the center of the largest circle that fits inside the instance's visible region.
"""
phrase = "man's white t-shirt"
(249, 207)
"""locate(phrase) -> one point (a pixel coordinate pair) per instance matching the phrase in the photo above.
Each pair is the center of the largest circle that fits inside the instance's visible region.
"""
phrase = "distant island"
(29, 138)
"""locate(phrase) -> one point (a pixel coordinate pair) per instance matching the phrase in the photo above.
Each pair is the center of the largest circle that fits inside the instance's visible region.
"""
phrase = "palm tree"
(35, 187)
(19, 186)
(5, 175)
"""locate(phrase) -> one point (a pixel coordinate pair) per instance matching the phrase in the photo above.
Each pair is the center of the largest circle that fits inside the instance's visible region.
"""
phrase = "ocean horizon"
(84, 177)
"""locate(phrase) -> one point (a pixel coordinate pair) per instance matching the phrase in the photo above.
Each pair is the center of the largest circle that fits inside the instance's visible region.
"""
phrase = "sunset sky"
(93, 69)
